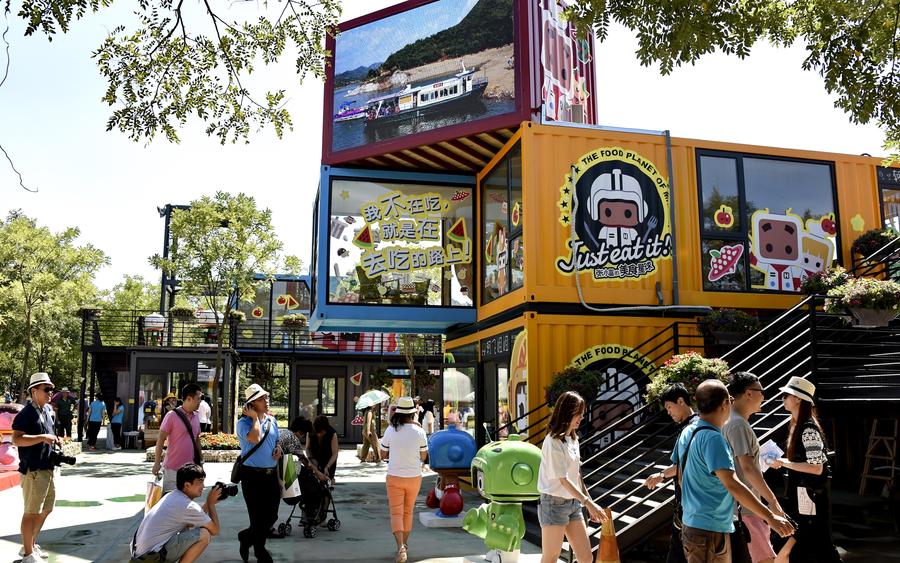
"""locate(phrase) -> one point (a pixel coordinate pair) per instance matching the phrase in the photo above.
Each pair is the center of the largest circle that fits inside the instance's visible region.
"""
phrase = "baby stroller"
(315, 502)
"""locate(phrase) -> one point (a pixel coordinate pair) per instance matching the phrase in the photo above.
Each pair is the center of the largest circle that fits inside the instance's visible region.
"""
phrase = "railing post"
(675, 342)
(812, 340)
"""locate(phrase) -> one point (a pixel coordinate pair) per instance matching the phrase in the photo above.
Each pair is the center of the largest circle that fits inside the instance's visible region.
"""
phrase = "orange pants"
(402, 493)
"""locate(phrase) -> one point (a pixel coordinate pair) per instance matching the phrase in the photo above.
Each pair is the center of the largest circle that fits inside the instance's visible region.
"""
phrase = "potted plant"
(425, 379)
(295, 321)
(874, 240)
(237, 317)
(183, 314)
(585, 383)
(728, 326)
(820, 283)
(872, 302)
(381, 378)
(689, 369)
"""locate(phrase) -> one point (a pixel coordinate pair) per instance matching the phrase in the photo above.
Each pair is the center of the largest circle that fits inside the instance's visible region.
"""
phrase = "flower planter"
(873, 318)
(728, 338)
(209, 456)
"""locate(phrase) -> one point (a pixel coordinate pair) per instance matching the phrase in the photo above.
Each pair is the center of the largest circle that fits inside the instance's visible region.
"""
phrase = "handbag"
(154, 493)
(236, 468)
(678, 513)
(198, 455)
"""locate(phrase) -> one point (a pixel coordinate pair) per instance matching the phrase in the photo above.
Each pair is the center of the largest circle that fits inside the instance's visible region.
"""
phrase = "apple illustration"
(281, 300)
(724, 217)
(257, 312)
(828, 224)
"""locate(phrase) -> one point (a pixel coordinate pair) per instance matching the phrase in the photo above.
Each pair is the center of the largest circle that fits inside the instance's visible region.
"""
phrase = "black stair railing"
(884, 262)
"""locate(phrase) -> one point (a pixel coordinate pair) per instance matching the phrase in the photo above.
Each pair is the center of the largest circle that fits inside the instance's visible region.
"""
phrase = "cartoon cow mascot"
(775, 248)
(617, 203)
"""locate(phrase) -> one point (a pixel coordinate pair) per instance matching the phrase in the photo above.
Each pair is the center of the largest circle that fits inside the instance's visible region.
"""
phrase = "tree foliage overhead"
(852, 44)
(183, 61)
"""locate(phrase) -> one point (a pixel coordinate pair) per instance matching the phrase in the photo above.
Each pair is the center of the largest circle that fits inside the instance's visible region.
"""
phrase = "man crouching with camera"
(177, 528)
(34, 436)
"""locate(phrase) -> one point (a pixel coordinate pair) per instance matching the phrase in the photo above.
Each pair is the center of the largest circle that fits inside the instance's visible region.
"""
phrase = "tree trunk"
(407, 341)
(27, 356)
(220, 327)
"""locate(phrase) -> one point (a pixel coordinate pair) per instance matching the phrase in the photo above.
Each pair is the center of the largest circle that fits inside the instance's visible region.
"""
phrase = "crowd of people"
(725, 510)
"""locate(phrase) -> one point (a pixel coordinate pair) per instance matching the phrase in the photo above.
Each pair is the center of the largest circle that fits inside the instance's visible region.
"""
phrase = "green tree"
(183, 61)
(221, 245)
(47, 272)
(852, 44)
(132, 293)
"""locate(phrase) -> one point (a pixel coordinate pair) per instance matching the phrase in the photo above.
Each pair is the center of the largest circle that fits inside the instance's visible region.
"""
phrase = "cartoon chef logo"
(620, 217)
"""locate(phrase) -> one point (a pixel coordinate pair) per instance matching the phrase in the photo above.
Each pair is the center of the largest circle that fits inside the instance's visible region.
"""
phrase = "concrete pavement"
(100, 504)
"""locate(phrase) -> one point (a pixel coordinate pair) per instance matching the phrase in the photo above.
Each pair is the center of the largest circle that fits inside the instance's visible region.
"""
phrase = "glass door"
(322, 392)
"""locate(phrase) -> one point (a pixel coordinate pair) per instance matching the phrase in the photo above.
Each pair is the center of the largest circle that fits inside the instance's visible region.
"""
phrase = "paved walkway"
(100, 504)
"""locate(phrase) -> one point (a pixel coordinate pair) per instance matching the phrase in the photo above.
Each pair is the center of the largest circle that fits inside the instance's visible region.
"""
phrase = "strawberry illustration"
(724, 261)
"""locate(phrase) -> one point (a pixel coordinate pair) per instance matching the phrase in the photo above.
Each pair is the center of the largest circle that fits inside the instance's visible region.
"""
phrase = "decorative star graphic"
(565, 219)
(564, 204)
(566, 190)
(858, 223)
(577, 170)
(345, 194)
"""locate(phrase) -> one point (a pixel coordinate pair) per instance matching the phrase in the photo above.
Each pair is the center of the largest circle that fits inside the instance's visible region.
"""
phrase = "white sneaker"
(37, 551)
(33, 558)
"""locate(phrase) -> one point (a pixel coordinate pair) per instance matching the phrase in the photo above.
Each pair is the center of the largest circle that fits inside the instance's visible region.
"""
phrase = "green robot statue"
(506, 474)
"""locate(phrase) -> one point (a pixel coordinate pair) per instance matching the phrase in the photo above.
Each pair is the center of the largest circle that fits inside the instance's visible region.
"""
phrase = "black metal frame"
(514, 232)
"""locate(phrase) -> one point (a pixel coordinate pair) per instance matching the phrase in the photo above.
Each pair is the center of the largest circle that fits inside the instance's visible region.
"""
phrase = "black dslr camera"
(228, 489)
(57, 458)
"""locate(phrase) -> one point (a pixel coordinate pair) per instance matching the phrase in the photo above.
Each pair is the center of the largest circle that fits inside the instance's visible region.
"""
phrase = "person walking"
(180, 432)
(95, 420)
(370, 436)
(808, 479)
(64, 406)
(677, 402)
(563, 493)
(708, 485)
(426, 418)
(748, 396)
(405, 447)
(322, 446)
(258, 436)
(115, 420)
(33, 436)
(205, 412)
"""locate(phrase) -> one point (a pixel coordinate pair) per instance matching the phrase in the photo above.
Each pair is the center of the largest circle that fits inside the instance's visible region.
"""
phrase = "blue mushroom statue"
(450, 454)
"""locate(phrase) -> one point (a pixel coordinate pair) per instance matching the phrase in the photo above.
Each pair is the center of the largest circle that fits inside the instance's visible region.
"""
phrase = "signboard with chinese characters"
(620, 228)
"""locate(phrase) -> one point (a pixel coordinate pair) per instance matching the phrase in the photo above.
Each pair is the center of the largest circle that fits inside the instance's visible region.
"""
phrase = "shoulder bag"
(236, 468)
(198, 455)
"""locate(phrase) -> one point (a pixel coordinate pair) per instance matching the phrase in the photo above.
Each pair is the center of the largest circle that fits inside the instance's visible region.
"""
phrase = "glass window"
(890, 207)
(502, 219)
(400, 244)
(719, 186)
(459, 396)
(767, 223)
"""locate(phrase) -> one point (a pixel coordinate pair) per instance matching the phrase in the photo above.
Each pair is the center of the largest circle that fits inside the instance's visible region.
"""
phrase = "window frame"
(744, 237)
(443, 186)
(512, 232)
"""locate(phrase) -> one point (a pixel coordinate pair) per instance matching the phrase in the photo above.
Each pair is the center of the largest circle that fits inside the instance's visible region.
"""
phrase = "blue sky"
(375, 41)
(53, 123)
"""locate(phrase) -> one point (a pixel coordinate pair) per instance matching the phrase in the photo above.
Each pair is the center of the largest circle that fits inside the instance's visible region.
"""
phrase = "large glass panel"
(517, 209)
(459, 397)
(400, 244)
(724, 265)
(308, 397)
(329, 397)
(719, 184)
(890, 208)
(781, 186)
(495, 229)
(503, 409)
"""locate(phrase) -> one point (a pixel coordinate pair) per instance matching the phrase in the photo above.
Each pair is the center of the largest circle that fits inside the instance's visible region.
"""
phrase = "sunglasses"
(48, 389)
(757, 389)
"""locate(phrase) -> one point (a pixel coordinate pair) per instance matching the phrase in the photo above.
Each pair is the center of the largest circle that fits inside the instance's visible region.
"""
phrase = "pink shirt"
(179, 445)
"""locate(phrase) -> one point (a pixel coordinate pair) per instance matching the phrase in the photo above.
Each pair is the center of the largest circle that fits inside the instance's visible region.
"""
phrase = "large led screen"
(437, 65)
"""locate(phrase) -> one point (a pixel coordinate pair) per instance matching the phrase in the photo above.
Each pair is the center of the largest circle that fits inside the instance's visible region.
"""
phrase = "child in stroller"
(315, 502)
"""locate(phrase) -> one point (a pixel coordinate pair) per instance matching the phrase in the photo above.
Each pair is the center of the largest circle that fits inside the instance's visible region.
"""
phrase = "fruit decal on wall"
(828, 224)
(363, 239)
(724, 261)
(724, 217)
(459, 196)
(356, 378)
(458, 231)
(257, 313)
(288, 301)
(516, 214)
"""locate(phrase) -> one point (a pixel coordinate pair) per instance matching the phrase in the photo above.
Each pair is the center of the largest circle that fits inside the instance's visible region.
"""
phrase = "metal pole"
(81, 395)
(165, 278)
(672, 217)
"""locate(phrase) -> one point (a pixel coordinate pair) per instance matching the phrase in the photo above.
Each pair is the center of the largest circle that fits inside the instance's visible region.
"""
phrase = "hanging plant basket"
(872, 318)
(295, 321)
(425, 379)
(381, 378)
(183, 314)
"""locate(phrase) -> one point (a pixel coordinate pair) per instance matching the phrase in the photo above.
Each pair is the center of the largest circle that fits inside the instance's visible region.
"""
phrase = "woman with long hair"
(370, 436)
(808, 479)
(563, 493)
(405, 446)
(426, 417)
(322, 446)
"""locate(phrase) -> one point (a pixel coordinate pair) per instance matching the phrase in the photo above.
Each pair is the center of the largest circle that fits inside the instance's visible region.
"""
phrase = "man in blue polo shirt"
(708, 485)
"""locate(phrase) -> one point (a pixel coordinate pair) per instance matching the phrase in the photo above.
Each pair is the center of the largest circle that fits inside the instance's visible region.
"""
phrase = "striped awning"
(466, 154)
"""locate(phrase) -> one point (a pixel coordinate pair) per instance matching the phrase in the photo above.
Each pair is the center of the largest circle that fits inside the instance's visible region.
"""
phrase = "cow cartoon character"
(617, 203)
(775, 249)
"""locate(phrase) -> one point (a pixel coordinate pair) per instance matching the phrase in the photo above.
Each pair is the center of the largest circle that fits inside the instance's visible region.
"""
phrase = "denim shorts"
(180, 543)
(558, 511)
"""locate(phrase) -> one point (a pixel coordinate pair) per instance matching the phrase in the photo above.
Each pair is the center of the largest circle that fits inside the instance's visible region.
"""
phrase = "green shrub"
(690, 369)
(295, 320)
(820, 283)
(182, 313)
(381, 378)
(872, 241)
(728, 320)
(585, 383)
(864, 293)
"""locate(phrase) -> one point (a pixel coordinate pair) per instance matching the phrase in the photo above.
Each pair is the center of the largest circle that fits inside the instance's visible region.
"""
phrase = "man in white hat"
(33, 434)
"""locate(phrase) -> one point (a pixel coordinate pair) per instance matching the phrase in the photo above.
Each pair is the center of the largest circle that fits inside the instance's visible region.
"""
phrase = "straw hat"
(170, 396)
(254, 392)
(39, 378)
(800, 388)
(405, 405)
